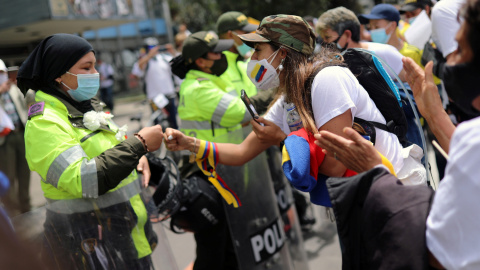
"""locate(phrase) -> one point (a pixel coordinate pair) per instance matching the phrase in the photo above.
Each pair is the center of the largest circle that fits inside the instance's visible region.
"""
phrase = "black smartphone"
(249, 105)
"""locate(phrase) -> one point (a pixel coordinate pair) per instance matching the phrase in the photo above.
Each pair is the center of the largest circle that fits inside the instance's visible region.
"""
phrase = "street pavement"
(320, 242)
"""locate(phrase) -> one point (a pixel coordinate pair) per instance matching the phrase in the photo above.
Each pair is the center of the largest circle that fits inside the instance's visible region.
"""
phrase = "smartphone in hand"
(250, 107)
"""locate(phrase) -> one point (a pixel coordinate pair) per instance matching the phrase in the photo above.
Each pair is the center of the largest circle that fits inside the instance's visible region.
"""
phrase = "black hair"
(471, 14)
(354, 27)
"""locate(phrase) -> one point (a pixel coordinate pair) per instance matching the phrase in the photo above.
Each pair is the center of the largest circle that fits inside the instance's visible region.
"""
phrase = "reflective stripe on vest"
(222, 108)
(205, 125)
(233, 93)
(88, 171)
(120, 195)
(89, 179)
(198, 125)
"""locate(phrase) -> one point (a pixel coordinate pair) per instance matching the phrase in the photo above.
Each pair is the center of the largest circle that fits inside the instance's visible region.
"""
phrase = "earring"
(280, 67)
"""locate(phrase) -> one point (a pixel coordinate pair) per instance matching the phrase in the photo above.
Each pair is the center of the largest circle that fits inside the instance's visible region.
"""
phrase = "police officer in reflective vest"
(229, 26)
(96, 218)
(209, 106)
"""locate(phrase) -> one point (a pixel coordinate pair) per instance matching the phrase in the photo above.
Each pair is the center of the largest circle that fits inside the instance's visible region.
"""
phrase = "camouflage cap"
(234, 20)
(287, 30)
(198, 44)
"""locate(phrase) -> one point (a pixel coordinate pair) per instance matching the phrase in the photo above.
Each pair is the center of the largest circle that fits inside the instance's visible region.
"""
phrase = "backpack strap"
(388, 127)
(365, 128)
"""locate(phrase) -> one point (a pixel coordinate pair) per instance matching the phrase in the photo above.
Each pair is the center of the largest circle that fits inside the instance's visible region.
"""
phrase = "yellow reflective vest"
(209, 106)
(63, 154)
(236, 73)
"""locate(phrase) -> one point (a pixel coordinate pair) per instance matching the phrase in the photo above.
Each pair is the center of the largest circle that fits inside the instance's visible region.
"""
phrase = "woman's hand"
(175, 140)
(355, 153)
(424, 89)
(144, 169)
(269, 133)
(153, 137)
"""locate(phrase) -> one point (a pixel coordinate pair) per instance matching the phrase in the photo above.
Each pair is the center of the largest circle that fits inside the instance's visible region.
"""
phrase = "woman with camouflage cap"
(326, 95)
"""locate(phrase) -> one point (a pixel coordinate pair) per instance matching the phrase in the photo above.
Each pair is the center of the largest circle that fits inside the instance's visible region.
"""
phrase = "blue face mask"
(88, 85)
(380, 36)
(411, 20)
(242, 49)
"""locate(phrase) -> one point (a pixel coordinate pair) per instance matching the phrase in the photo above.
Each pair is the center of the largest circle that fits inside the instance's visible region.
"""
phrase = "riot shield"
(286, 206)
(84, 234)
(257, 228)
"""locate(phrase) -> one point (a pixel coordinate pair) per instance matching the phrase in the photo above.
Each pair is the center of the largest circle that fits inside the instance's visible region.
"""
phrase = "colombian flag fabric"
(258, 72)
(301, 158)
(208, 155)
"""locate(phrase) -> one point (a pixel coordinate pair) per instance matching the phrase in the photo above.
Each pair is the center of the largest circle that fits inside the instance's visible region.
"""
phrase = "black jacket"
(381, 223)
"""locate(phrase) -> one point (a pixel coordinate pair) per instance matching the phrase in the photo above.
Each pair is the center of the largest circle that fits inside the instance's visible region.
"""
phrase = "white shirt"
(334, 91)
(454, 221)
(390, 55)
(445, 25)
(105, 71)
(158, 78)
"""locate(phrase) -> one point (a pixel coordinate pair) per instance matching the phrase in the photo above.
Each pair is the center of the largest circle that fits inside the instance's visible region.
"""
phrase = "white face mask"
(262, 73)
(3, 77)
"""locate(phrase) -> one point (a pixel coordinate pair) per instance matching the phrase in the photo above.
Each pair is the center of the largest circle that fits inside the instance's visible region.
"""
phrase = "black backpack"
(381, 89)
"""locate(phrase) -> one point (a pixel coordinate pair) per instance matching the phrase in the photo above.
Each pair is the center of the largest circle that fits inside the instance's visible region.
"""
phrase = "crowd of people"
(294, 71)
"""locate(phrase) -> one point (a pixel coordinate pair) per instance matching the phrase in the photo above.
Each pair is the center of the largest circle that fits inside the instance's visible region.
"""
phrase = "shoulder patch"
(36, 109)
(202, 79)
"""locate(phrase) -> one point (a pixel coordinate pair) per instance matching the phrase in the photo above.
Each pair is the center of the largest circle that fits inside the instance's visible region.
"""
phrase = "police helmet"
(193, 204)
(202, 206)
(165, 179)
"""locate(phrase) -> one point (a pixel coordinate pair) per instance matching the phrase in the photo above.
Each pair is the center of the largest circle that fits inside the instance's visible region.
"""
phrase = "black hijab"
(54, 56)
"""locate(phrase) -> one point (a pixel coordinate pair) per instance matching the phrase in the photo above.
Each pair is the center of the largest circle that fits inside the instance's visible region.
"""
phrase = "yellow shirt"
(415, 53)
(402, 28)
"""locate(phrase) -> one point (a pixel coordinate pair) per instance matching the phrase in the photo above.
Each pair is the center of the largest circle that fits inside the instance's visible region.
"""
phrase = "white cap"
(2, 66)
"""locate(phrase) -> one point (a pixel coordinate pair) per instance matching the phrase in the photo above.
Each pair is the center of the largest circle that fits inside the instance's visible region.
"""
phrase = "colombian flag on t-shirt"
(257, 72)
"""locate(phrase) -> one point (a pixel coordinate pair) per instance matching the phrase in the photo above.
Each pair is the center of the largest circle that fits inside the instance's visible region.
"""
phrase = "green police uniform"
(86, 171)
(207, 109)
(236, 73)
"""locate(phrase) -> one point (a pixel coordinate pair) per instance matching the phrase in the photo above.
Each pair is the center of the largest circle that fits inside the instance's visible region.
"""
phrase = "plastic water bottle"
(293, 118)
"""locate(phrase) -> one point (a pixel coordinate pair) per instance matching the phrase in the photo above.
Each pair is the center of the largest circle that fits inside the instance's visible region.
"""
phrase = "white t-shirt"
(445, 25)
(390, 55)
(454, 220)
(106, 70)
(334, 91)
(158, 78)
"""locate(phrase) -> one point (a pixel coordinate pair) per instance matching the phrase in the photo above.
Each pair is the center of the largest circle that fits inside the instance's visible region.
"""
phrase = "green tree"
(203, 14)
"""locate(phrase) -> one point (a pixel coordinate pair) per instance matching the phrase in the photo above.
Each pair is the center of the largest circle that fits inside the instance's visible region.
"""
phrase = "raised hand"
(424, 89)
(355, 153)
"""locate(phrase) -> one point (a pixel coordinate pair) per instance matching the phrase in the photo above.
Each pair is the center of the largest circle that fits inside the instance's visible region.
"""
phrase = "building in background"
(116, 28)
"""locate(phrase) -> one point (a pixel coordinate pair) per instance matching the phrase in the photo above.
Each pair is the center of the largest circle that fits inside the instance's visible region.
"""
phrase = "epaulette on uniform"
(36, 109)
(202, 79)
